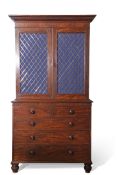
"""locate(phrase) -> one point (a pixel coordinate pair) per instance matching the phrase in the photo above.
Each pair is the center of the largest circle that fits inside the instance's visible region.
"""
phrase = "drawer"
(37, 137)
(72, 109)
(51, 153)
(32, 109)
(56, 124)
(51, 110)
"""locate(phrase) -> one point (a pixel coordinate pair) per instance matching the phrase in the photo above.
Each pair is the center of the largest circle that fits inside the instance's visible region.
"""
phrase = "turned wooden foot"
(87, 167)
(14, 167)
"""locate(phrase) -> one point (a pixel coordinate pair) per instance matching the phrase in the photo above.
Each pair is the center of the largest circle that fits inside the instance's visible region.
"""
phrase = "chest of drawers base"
(51, 132)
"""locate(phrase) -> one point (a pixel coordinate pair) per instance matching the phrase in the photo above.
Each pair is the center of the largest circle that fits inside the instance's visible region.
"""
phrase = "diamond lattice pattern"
(70, 54)
(33, 63)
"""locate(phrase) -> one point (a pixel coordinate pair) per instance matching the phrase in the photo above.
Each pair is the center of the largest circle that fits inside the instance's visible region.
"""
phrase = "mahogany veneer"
(51, 121)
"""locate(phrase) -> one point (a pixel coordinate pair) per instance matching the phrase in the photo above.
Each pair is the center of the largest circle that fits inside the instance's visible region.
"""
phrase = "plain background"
(103, 81)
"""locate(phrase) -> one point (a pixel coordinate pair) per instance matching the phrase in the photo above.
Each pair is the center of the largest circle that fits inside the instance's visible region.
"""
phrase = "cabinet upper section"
(52, 56)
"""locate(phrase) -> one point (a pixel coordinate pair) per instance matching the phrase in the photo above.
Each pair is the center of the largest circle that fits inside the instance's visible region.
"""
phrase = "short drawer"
(60, 124)
(72, 109)
(37, 137)
(32, 109)
(51, 153)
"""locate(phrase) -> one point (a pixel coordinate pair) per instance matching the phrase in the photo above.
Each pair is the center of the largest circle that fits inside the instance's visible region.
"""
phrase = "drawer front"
(52, 124)
(72, 109)
(48, 153)
(37, 137)
(49, 109)
(32, 109)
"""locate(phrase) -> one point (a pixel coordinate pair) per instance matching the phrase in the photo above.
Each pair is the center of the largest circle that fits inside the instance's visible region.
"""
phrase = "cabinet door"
(33, 72)
(70, 63)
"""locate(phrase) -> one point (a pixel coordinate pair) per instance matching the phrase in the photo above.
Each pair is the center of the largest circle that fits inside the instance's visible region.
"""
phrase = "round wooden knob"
(32, 123)
(70, 152)
(71, 137)
(71, 111)
(32, 111)
(32, 137)
(71, 124)
(32, 152)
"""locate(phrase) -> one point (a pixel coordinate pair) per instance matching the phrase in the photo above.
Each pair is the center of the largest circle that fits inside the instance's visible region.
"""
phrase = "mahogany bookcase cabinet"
(52, 109)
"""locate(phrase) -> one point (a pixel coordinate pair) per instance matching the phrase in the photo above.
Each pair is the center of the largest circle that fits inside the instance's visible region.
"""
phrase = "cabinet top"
(84, 18)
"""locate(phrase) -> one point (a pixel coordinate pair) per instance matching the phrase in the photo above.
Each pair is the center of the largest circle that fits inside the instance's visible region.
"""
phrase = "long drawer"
(50, 109)
(76, 123)
(37, 137)
(51, 153)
